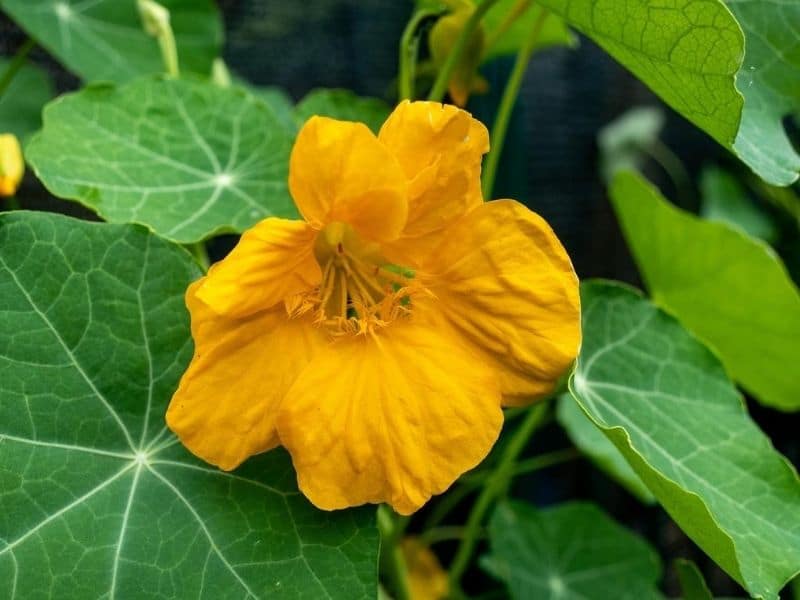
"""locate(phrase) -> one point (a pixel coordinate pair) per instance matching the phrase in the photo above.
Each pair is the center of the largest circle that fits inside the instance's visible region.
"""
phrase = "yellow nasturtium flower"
(378, 338)
(427, 579)
(12, 165)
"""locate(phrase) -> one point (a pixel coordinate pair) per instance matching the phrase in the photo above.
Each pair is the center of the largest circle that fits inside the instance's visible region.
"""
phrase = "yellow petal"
(395, 417)
(12, 165)
(272, 261)
(225, 407)
(505, 284)
(340, 172)
(440, 149)
(426, 577)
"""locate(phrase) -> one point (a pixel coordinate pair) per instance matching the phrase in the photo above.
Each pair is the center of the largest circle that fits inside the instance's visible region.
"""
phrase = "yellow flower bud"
(155, 17)
(465, 78)
(12, 166)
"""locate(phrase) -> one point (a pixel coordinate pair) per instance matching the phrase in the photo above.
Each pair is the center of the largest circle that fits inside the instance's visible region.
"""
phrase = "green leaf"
(770, 83)
(725, 200)
(693, 585)
(21, 104)
(573, 550)
(687, 52)
(625, 141)
(104, 39)
(98, 499)
(591, 441)
(665, 402)
(188, 159)
(280, 103)
(507, 39)
(343, 105)
(729, 289)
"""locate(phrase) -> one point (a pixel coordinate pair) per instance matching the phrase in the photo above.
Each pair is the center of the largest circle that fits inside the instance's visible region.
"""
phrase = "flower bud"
(12, 166)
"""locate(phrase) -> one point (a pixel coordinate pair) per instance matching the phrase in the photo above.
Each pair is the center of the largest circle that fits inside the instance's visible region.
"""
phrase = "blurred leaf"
(729, 289)
(502, 39)
(21, 104)
(693, 585)
(188, 159)
(591, 441)
(725, 200)
(280, 103)
(104, 39)
(770, 83)
(573, 550)
(343, 105)
(665, 401)
(99, 499)
(625, 141)
(443, 36)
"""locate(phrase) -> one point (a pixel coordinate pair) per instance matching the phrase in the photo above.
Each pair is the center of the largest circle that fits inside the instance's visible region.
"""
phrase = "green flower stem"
(443, 78)
(409, 46)
(672, 166)
(200, 254)
(16, 64)
(444, 534)
(392, 562)
(496, 486)
(507, 102)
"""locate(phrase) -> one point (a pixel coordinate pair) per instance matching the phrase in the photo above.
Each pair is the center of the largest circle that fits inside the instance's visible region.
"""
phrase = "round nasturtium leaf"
(573, 550)
(103, 40)
(186, 158)
(97, 498)
(666, 403)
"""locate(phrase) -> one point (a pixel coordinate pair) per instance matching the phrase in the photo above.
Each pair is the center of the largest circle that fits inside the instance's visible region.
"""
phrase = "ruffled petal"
(272, 261)
(392, 418)
(440, 148)
(225, 407)
(504, 283)
(339, 171)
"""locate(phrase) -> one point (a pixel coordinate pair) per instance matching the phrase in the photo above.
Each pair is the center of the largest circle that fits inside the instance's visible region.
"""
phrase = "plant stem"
(443, 534)
(200, 254)
(16, 64)
(443, 78)
(496, 486)
(392, 561)
(507, 102)
(672, 166)
(409, 45)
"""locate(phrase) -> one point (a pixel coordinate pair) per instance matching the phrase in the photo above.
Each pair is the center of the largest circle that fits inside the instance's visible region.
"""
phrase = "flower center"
(360, 291)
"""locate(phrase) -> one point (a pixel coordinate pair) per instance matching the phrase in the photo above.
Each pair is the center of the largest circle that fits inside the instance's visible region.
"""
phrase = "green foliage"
(725, 200)
(688, 53)
(571, 551)
(21, 104)
(665, 401)
(104, 40)
(343, 105)
(96, 500)
(506, 32)
(692, 583)
(185, 158)
(591, 441)
(729, 289)
(770, 83)
(625, 142)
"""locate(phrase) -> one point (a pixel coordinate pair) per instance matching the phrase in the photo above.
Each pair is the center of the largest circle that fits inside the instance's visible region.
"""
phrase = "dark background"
(550, 163)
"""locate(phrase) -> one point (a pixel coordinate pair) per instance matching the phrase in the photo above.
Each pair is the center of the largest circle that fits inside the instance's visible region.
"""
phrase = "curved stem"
(16, 64)
(409, 45)
(443, 78)
(496, 486)
(392, 561)
(673, 167)
(510, 94)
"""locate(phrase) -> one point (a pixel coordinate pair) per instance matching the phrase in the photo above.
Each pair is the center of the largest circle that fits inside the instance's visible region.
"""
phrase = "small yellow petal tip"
(12, 165)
